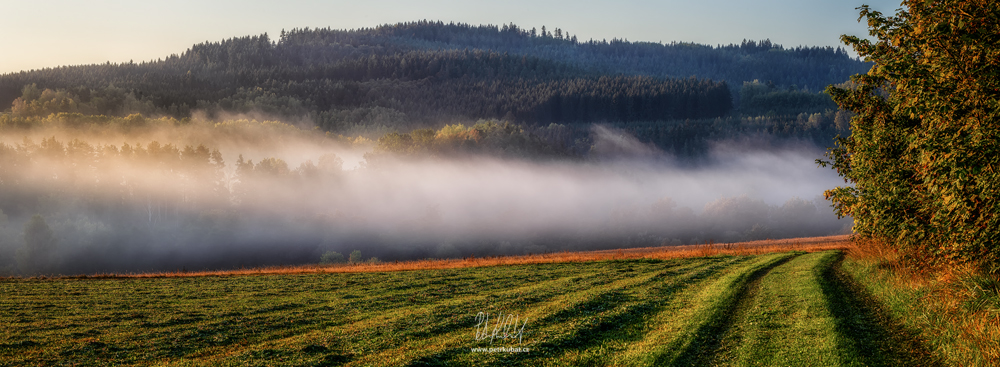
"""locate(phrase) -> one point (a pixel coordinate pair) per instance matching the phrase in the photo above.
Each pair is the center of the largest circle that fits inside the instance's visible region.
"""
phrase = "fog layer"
(244, 193)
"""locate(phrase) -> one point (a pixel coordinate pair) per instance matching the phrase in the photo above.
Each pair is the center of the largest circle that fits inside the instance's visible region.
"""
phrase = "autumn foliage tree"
(923, 156)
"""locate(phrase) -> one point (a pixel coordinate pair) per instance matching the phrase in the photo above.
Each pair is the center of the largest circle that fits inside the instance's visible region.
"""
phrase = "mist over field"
(171, 196)
(255, 151)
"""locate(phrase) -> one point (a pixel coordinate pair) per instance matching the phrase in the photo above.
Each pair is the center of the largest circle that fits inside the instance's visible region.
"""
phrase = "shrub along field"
(787, 308)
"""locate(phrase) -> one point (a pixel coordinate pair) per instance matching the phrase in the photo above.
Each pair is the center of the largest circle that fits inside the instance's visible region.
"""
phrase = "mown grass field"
(789, 308)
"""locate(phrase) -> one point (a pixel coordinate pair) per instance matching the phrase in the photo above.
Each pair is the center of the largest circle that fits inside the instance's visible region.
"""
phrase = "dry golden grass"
(807, 244)
(955, 307)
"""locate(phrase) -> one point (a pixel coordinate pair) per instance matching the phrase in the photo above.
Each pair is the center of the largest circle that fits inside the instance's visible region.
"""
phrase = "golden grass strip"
(806, 244)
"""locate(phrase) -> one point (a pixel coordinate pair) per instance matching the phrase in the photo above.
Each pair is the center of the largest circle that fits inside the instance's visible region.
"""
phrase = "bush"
(356, 256)
(331, 257)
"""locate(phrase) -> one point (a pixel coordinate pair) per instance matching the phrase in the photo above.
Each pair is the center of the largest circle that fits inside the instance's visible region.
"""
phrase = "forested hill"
(428, 70)
(426, 74)
(810, 68)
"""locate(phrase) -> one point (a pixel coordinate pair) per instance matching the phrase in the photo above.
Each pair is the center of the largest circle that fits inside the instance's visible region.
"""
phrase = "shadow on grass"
(707, 340)
(594, 331)
(867, 335)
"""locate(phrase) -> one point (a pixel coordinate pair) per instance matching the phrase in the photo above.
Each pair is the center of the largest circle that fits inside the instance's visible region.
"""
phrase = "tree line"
(799, 67)
(423, 86)
(422, 74)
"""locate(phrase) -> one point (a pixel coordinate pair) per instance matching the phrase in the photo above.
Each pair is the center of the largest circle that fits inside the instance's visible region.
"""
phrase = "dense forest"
(427, 74)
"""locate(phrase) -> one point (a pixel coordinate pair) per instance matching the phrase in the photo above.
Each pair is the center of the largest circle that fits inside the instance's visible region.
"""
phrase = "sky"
(41, 34)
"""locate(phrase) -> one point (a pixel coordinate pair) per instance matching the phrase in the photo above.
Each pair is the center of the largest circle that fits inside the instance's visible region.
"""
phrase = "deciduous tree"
(923, 156)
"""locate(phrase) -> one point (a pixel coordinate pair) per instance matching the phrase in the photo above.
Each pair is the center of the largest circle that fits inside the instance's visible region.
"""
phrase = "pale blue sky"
(42, 33)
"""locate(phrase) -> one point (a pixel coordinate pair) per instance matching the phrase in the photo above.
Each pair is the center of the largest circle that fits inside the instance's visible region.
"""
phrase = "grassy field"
(786, 308)
(955, 309)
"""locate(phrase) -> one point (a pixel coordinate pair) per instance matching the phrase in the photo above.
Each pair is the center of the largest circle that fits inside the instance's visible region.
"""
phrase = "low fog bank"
(493, 198)
(73, 206)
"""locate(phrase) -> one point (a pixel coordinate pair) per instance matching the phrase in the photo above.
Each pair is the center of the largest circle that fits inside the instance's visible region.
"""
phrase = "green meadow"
(788, 309)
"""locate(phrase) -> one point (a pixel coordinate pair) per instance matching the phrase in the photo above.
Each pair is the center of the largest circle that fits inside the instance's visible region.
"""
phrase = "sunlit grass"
(954, 309)
(780, 308)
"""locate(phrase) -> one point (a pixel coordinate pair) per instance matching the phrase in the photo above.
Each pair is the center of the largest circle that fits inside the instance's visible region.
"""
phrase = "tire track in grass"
(713, 313)
(613, 310)
(791, 323)
(609, 346)
(866, 335)
(666, 325)
(786, 322)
